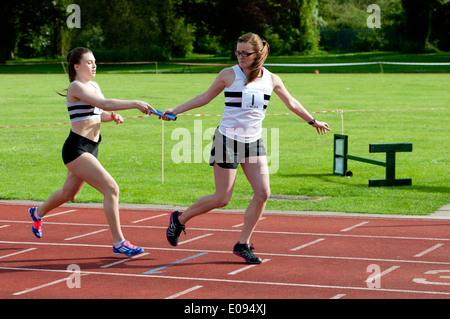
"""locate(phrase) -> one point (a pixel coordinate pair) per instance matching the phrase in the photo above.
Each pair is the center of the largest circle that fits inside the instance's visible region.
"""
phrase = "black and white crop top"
(80, 111)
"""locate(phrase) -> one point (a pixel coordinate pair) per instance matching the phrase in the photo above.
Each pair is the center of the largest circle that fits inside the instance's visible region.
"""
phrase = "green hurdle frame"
(341, 157)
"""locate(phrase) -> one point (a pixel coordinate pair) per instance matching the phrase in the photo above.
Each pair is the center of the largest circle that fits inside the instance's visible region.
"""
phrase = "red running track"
(304, 257)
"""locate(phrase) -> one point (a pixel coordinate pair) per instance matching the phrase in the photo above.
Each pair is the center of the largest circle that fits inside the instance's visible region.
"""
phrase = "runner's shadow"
(163, 267)
(85, 264)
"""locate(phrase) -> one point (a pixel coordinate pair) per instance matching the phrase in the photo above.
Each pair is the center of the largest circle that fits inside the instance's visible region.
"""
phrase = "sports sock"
(36, 215)
(117, 245)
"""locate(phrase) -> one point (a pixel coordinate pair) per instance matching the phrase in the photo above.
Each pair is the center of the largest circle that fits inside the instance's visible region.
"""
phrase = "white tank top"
(80, 111)
(245, 106)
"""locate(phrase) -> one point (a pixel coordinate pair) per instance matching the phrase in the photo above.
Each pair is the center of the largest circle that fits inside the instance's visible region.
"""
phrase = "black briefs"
(76, 145)
(228, 153)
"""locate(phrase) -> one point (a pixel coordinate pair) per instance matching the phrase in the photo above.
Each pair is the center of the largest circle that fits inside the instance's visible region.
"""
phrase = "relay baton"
(170, 116)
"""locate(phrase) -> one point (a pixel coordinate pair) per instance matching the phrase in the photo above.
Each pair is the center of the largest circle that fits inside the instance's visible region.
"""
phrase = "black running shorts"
(76, 145)
(228, 153)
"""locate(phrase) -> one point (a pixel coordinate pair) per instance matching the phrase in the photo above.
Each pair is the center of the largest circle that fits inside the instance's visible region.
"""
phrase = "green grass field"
(205, 64)
(378, 108)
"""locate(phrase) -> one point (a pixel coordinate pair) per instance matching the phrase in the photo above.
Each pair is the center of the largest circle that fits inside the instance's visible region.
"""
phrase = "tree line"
(137, 30)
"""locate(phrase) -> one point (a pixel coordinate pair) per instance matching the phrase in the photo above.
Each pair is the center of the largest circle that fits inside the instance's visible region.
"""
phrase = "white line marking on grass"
(428, 250)
(181, 293)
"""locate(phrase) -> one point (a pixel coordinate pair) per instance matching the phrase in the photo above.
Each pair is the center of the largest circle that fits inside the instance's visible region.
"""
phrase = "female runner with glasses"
(247, 87)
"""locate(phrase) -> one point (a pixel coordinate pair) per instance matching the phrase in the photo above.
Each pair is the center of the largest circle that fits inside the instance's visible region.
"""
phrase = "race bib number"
(252, 99)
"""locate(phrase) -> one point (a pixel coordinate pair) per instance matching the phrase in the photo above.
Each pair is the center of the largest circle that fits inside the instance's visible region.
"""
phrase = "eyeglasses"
(244, 54)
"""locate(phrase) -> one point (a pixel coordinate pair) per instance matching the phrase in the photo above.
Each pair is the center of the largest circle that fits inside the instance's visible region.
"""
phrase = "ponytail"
(74, 57)
(262, 49)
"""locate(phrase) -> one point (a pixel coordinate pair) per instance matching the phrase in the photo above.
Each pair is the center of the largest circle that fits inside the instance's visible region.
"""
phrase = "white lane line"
(16, 253)
(353, 227)
(308, 244)
(233, 281)
(195, 238)
(45, 285)
(40, 287)
(370, 259)
(242, 224)
(88, 234)
(4, 226)
(428, 250)
(147, 218)
(60, 213)
(338, 296)
(124, 260)
(181, 293)
(246, 268)
(237, 230)
(377, 276)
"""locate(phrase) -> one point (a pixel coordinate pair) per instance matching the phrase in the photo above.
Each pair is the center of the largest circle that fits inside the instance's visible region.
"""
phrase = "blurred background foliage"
(155, 30)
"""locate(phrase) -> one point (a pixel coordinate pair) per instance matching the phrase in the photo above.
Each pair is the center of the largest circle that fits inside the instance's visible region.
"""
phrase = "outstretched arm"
(295, 106)
(223, 79)
(79, 91)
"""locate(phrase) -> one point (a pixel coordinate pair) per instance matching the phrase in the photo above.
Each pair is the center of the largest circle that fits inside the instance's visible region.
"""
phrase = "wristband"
(312, 121)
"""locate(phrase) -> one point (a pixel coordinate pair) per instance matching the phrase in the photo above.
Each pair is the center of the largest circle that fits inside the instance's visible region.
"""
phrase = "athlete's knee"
(221, 200)
(114, 189)
(111, 189)
(68, 196)
(262, 195)
(222, 203)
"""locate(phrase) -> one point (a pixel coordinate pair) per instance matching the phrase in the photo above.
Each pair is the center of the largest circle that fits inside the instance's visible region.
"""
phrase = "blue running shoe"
(127, 249)
(37, 223)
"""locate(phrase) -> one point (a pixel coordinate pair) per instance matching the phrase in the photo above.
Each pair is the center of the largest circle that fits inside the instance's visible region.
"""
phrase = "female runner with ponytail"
(87, 108)
(247, 87)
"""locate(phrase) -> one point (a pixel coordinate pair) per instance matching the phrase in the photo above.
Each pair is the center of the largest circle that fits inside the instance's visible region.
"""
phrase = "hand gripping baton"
(170, 116)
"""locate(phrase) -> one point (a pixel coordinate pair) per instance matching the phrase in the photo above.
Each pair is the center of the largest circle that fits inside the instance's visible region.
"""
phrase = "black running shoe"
(245, 251)
(174, 229)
